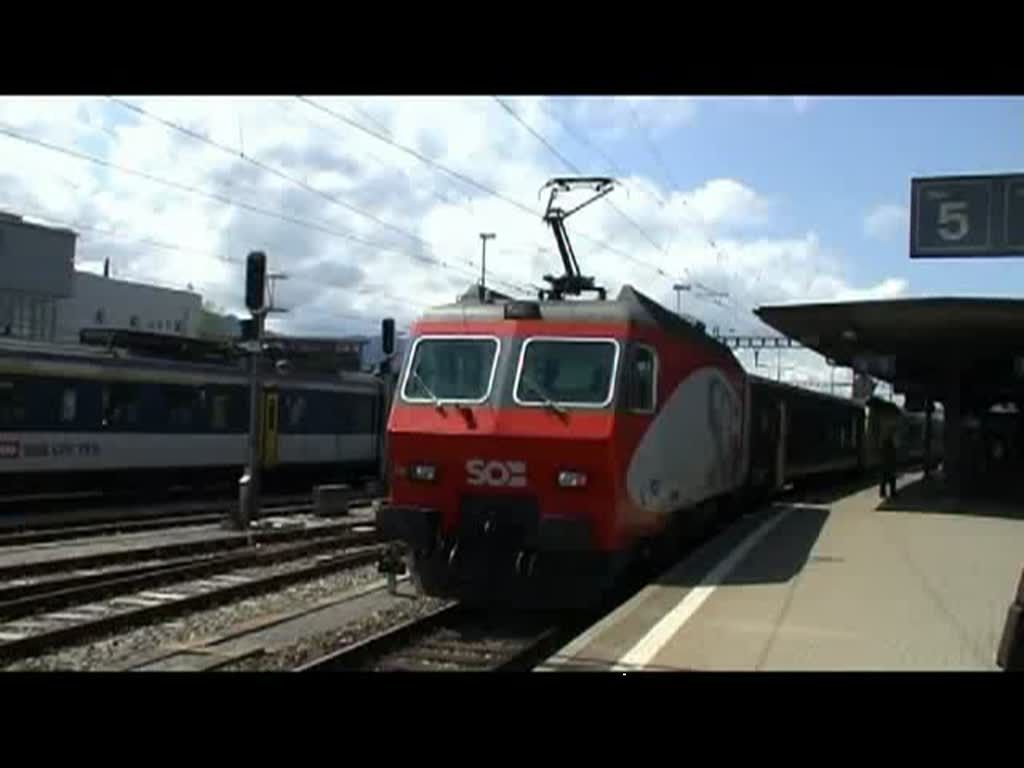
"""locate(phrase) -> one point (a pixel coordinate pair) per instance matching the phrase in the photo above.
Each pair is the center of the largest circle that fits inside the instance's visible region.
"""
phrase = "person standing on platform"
(888, 486)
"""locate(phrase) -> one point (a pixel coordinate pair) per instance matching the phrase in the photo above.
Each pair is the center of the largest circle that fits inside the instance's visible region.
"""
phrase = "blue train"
(102, 416)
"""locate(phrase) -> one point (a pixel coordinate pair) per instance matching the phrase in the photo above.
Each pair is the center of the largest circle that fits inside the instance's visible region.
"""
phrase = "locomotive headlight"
(425, 473)
(570, 479)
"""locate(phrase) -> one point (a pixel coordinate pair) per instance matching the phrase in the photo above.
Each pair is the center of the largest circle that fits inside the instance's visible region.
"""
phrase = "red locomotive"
(538, 444)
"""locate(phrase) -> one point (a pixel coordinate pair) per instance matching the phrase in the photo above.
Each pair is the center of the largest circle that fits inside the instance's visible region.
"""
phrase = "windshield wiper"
(437, 401)
(544, 395)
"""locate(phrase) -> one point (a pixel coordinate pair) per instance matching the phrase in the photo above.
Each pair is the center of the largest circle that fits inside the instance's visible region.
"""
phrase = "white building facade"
(43, 297)
(104, 302)
(36, 268)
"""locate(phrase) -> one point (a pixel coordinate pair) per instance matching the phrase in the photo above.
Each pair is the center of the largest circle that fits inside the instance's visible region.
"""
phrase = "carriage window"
(567, 372)
(362, 414)
(219, 412)
(183, 404)
(455, 369)
(13, 409)
(68, 403)
(296, 408)
(121, 404)
(643, 380)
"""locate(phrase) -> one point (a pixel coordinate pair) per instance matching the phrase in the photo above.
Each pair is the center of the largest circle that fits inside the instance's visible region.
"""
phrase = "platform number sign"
(967, 216)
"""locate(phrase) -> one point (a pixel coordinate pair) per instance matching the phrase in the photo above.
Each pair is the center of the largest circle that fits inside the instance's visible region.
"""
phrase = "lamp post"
(484, 237)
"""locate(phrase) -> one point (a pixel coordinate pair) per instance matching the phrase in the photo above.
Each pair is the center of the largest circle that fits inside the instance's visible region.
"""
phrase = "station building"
(44, 298)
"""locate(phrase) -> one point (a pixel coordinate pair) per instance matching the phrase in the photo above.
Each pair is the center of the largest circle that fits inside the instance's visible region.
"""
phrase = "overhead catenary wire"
(537, 135)
(613, 166)
(668, 177)
(354, 238)
(285, 176)
(569, 164)
(671, 182)
(662, 272)
(382, 136)
(271, 170)
(397, 299)
(593, 146)
(464, 178)
(112, 233)
(445, 197)
(616, 169)
(224, 199)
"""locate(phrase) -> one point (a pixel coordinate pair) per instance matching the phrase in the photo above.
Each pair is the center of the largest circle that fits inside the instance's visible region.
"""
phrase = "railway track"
(31, 624)
(23, 599)
(453, 638)
(45, 529)
(219, 541)
(111, 505)
(44, 534)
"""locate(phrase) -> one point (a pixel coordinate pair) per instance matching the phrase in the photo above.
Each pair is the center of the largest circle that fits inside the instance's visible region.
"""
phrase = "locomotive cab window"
(451, 369)
(573, 372)
(643, 380)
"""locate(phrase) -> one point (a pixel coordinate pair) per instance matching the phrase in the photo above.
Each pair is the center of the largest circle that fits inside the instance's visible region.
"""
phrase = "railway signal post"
(484, 237)
(390, 562)
(387, 337)
(255, 301)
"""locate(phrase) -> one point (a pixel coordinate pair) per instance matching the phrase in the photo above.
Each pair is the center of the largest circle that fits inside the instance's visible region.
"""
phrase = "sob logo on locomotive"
(504, 474)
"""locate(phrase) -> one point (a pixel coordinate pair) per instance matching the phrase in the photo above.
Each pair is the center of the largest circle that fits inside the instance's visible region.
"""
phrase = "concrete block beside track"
(331, 500)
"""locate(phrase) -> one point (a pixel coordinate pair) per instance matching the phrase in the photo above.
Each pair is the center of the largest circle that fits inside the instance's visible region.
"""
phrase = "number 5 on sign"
(953, 221)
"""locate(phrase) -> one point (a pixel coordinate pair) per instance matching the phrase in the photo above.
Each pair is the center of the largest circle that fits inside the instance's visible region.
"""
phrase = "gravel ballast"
(315, 646)
(105, 653)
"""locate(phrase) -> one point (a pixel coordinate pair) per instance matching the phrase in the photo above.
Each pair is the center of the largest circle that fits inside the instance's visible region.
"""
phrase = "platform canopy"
(916, 344)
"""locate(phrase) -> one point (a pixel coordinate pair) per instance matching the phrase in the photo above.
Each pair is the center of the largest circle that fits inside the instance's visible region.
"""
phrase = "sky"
(765, 200)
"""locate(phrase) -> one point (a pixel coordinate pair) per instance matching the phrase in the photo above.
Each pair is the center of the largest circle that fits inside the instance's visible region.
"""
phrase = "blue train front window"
(457, 369)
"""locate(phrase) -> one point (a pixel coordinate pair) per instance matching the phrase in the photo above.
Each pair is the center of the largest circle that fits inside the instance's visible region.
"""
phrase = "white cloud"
(727, 203)
(613, 118)
(801, 103)
(886, 222)
(334, 278)
(890, 288)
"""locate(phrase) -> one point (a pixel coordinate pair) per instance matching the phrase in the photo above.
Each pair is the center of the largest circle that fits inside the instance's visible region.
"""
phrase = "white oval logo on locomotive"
(692, 450)
(504, 474)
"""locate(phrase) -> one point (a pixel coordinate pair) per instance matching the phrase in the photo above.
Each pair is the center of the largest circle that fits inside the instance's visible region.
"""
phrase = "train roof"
(804, 392)
(883, 405)
(85, 354)
(630, 307)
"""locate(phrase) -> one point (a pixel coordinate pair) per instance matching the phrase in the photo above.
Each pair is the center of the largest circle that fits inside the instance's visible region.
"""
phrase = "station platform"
(854, 582)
